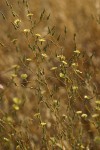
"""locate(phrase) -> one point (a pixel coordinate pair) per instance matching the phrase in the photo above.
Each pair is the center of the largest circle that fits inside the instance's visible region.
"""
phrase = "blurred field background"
(81, 19)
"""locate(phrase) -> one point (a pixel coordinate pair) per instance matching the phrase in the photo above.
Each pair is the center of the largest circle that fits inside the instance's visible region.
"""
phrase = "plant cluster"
(48, 101)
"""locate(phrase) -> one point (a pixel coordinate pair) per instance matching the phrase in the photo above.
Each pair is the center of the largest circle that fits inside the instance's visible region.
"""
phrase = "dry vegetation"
(49, 75)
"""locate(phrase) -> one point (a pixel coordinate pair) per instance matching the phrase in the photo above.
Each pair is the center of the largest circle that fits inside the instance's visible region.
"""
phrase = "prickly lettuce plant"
(48, 100)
